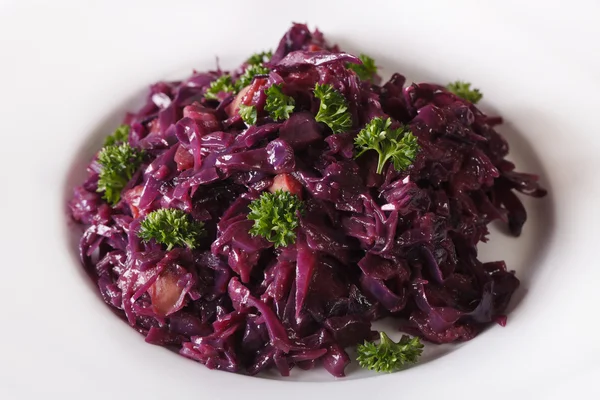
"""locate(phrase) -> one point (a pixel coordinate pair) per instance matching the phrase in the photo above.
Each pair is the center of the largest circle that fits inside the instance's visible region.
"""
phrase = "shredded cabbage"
(399, 244)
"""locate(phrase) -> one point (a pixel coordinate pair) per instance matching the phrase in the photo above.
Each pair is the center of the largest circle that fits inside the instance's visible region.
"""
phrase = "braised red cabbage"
(401, 244)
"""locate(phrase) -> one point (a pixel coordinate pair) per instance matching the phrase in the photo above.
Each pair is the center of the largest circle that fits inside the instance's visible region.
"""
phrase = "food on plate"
(265, 217)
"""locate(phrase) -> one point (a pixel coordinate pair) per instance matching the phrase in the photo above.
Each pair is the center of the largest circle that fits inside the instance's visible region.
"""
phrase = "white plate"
(68, 72)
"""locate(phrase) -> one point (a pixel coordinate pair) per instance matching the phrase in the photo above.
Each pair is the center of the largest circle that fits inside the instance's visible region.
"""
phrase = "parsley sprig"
(248, 114)
(171, 227)
(120, 135)
(389, 356)
(251, 71)
(365, 71)
(223, 84)
(463, 89)
(333, 109)
(397, 145)
(260, 58)
(278, 105)
(275, 217)
(119, 161)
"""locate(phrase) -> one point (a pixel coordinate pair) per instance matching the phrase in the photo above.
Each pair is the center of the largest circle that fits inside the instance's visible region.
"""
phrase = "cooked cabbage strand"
(171, 227)
(397, 145)
(275, 217)
(389, 356)
(333, 110)
(463, 89)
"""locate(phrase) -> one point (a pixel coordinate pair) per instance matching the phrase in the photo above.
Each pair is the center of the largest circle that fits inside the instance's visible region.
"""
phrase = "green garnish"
(222, 84)
(365, 71)
(399, 145)
(275, 217)
(260, 58)
(171, 227)
(246, 78)
(333, 110)
(463, 89)
(279, 106)
(248, 114)
(119, 162)
(121, 135)
(389, 356)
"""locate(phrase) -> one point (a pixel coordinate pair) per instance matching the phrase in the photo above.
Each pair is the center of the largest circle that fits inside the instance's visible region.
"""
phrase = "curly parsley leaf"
(248, 114)
(278, 105)
(365, 71)
(397, 145)
(259, 58)
(120, 135)
(275, 217)
(171, 227)
(221, 85)
(246, 78)
(333, 109)
(389, 356)
(119, 163)
(463, 90)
